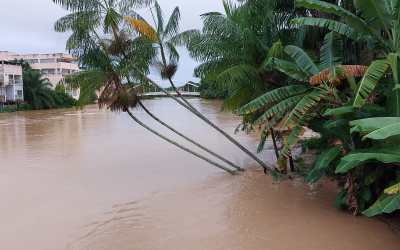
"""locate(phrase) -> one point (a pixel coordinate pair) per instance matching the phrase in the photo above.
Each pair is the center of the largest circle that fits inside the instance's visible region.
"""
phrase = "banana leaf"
(353, 160)
(322, 162)
(385, 204)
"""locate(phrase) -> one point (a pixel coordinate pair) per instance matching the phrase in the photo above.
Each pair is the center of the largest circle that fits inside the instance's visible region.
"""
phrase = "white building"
(54, 66)
(11, 83)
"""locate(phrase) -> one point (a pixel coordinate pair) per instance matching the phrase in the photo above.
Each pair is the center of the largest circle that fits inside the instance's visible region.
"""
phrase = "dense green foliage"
(212, 90)
(331, 84)
(285, 66)
(15, 107)
(235, 47)
(39, 95)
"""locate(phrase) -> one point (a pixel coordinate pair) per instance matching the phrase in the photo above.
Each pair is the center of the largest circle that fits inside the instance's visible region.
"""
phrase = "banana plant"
(294, 106)
(385, 130)
(378, 25)
(336, 137)
(357, 154)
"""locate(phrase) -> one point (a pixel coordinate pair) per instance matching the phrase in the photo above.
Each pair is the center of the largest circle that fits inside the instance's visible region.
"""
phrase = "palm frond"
(212, 68)
(172, 26)
(160, 17)
(173, 52)
(89, 82)
(126, 6)
(238, 75)
(80, 20)
(112, 20)
(78, 5)
(143, 28)
(185, 38)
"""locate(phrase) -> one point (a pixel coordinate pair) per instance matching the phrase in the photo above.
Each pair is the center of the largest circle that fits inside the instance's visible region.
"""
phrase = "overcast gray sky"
(27, 26)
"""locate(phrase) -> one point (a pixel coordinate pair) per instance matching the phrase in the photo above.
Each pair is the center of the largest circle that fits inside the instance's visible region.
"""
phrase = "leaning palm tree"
(187, 138)
(111, 73)
(86, 19)
(84, 23)
(164, 37)
(378, 24)
(234, 48)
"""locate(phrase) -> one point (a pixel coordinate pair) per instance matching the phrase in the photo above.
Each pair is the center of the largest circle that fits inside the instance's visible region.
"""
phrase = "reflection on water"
(92, 179)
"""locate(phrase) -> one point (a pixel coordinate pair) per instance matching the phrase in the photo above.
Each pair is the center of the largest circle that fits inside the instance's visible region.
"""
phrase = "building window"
(19, 93)
(47, 60)
(48, 71)
(66, 71)
(31, 61)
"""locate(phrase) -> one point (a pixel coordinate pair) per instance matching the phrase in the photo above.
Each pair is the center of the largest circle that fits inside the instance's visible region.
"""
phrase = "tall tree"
(234, 48)
(109, 69)
(113, 64)
(37, 90)
(164, 36)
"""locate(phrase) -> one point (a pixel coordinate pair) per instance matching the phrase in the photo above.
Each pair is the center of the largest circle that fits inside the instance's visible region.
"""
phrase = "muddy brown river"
(94, 180)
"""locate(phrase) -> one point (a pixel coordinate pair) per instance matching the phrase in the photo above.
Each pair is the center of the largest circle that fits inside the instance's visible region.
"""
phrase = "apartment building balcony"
(7, 82)
(15, 82)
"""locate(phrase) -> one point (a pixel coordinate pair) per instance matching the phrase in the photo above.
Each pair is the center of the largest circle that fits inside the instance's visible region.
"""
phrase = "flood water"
(92, 179)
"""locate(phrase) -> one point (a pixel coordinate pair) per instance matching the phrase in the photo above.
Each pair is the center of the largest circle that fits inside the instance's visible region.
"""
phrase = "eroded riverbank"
(94, 180)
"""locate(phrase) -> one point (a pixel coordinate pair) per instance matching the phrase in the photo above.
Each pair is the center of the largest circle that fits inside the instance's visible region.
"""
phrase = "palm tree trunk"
(291, 162)
(177, 144)
(189, 139)
(230, 138)
(192, 109)
(274, 142)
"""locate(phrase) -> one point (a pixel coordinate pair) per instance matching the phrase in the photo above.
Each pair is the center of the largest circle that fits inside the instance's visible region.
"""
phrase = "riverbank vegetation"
(38, 93)
(330, 66)
(284, 66)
